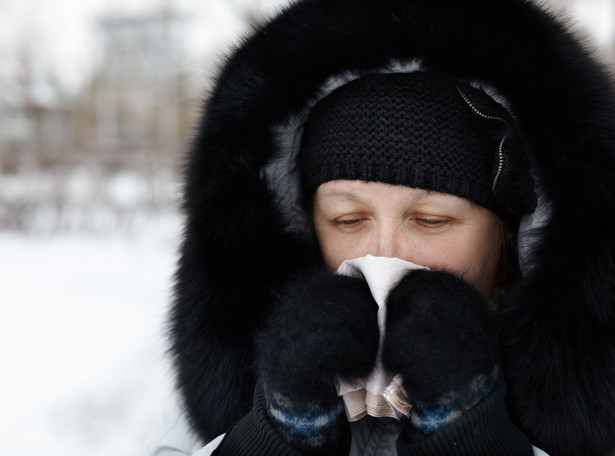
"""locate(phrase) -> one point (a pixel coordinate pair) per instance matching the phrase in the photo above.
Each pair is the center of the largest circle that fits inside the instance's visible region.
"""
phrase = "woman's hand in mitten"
(322, 327)
(440, 338)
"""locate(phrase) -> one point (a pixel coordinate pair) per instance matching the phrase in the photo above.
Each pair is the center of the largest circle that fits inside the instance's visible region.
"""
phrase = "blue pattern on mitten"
(306, 424)
(440, 338)
(324, 326)
(427, 420)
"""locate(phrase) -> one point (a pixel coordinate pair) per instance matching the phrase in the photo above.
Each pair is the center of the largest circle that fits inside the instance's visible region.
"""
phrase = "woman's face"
(437, 230)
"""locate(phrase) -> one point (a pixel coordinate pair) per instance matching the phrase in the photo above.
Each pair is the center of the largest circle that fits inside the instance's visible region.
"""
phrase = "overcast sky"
(60, 34)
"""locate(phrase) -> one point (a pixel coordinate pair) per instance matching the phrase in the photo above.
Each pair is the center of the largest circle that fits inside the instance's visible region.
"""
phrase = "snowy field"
(82, 346)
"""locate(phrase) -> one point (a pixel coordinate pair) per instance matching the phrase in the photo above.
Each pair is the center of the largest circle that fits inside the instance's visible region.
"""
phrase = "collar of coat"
(558, 323)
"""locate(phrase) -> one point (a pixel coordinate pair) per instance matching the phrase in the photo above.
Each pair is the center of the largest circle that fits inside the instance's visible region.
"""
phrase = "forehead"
(363, 191)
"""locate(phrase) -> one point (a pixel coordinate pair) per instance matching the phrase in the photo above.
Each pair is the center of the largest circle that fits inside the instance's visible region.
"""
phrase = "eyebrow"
(355, 197)
(346, 195)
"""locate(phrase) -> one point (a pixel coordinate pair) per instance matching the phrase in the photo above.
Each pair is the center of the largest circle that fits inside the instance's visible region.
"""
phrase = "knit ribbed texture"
(484, 430)
(427, 418)
(258, 434)
(307, 425)
(405, 129)
(254, 435)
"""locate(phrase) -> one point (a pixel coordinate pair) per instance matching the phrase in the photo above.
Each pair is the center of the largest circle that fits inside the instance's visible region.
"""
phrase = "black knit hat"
(422, 130)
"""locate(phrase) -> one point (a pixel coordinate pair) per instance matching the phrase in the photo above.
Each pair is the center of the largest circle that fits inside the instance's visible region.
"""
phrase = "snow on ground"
(82, 350)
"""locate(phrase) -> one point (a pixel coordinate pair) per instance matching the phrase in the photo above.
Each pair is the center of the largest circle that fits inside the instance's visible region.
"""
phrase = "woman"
(251, 266)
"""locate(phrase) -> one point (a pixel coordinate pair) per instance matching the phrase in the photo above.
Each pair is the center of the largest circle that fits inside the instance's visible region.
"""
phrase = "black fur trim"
(558, 324)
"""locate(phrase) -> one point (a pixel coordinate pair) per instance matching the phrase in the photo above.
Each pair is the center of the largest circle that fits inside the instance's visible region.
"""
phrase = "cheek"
(329, 248)
(477, 259)
(337, 246)
(336, 249)
(472, 255)
(439, 254)
(331, 251)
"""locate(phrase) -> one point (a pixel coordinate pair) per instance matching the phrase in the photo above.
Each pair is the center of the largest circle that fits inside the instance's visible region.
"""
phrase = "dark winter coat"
(242, 244)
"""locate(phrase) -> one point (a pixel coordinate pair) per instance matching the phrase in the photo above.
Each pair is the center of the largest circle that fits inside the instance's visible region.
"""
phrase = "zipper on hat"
(475, 109)
(500, 165)
(501, 146)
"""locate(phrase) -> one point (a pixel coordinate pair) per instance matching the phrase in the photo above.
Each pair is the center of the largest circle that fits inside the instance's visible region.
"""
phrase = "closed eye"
(348, 224)
(426, 221)
(432, 222)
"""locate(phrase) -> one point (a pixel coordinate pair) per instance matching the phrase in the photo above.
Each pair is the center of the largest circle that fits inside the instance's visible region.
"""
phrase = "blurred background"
(97, 104)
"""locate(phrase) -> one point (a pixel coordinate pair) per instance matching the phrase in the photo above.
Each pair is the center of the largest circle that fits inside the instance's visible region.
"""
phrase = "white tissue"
(380, 394)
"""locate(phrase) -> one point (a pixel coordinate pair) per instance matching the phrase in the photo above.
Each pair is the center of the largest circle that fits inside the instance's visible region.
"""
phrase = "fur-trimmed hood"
(244, 238)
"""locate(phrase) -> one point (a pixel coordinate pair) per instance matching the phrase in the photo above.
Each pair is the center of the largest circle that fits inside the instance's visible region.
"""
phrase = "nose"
(389, 242)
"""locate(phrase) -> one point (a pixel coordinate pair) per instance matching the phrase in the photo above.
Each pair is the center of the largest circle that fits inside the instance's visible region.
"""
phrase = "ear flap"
(512, 181)
(513, 184)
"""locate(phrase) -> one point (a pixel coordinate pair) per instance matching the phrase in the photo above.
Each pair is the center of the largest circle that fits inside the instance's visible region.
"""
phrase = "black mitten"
(440, 338)
(322, 327)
